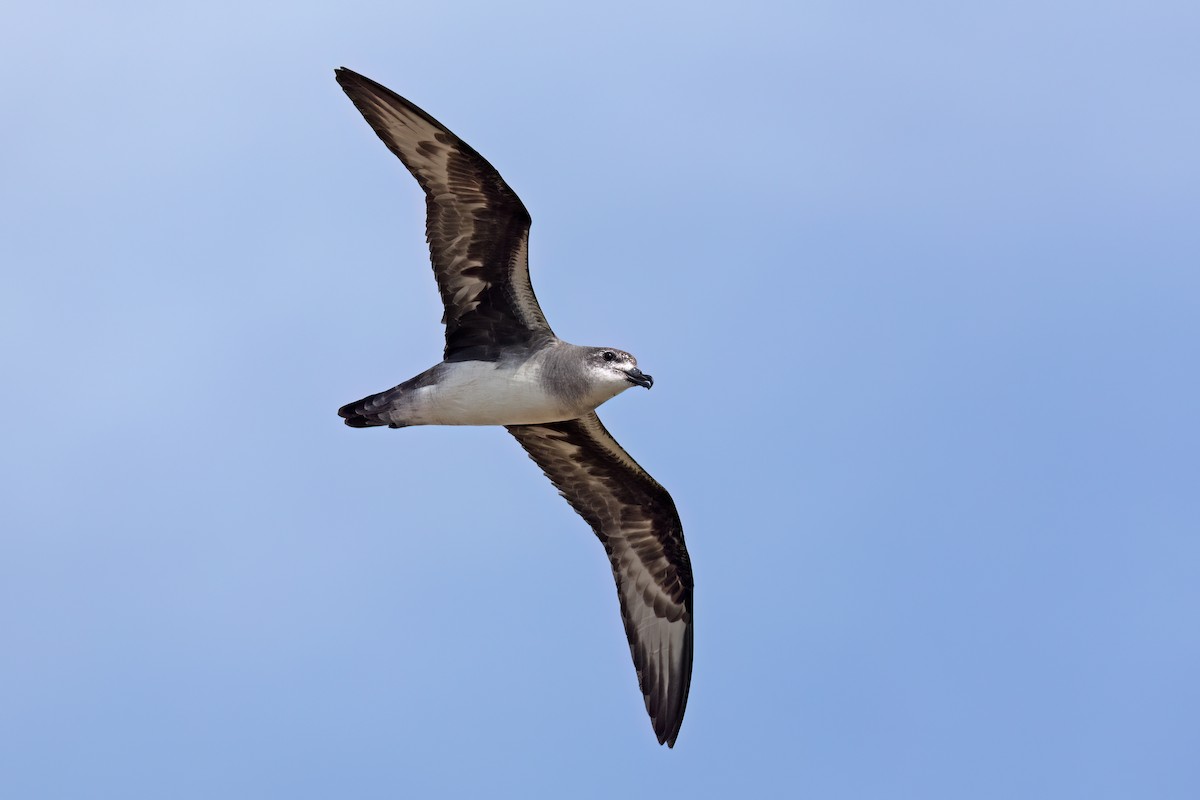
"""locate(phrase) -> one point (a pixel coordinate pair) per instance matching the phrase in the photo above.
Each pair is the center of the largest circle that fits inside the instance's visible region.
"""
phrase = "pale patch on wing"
(636, 521)
(476, 226)
(524, 301)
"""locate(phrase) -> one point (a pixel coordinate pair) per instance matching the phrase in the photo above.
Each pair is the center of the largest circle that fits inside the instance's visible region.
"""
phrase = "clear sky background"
(919, 284)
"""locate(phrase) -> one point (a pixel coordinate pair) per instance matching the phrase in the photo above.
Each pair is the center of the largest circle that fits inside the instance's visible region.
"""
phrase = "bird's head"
(617, 369)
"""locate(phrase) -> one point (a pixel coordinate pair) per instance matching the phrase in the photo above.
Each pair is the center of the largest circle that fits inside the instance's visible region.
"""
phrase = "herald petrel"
(503, 365)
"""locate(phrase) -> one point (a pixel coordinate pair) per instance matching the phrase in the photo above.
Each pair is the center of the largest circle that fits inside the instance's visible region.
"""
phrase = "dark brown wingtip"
(665, 695)
(669, 718)
(348, 79)
(353, 82)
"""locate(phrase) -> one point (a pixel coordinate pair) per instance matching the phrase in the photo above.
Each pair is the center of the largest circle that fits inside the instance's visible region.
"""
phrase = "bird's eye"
(609, 355)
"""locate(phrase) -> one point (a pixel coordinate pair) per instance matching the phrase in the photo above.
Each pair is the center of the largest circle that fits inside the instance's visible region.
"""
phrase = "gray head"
(616, 369)
(585, 377)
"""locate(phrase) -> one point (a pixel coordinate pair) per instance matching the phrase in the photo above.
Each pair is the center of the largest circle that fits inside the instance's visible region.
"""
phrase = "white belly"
(485, 393)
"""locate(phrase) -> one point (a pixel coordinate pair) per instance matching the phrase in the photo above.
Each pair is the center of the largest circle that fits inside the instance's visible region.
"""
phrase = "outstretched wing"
(637, 522)
(477, 227)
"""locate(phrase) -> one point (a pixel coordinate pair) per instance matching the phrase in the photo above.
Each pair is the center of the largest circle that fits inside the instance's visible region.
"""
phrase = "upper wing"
(477, 227)
(637, 522)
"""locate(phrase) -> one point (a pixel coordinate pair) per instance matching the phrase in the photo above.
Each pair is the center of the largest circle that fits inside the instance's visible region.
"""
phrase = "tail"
(374, 411)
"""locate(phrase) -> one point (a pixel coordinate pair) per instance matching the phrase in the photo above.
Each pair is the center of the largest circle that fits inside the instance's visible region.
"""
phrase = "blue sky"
(919, 285)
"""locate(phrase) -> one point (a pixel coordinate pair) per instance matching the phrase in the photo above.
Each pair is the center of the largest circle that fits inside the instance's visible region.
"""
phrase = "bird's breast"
(488, 393)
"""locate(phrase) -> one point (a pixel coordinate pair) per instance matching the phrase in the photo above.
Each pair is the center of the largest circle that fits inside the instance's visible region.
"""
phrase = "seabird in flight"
(503, 365)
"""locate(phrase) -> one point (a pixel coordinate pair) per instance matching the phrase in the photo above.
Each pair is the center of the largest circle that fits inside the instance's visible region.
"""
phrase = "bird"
(503, 365)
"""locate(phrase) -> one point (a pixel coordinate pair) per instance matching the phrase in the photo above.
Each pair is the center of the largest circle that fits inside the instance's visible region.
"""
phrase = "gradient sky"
(919, 285)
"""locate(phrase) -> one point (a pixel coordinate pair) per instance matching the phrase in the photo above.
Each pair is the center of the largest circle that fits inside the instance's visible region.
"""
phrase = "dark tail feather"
(372, 412)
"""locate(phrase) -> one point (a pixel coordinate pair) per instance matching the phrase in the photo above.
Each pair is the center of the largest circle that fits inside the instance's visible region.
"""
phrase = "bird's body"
(503, 365)
(549, 384)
